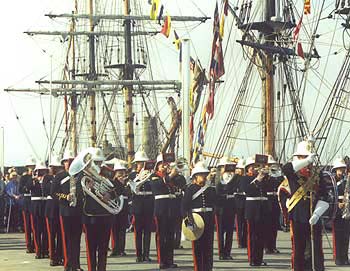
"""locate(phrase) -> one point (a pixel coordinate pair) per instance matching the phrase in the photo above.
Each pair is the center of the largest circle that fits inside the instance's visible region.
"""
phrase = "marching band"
(83, 194)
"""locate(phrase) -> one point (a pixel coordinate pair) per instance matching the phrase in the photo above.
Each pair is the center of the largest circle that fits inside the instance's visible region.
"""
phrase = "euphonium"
(97, 187)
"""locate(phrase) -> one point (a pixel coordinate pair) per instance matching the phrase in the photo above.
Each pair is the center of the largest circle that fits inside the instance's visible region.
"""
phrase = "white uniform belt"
(48, 197)
(230, 196)
(64, 180)
(125, 197)
(38, 198)
(178, 193)
(167, 196)
(130, 202)
(271, 193)
(341, 197)
(202, 210)
(144, 193)
(256, 198)
(239, 193)
(27, 195)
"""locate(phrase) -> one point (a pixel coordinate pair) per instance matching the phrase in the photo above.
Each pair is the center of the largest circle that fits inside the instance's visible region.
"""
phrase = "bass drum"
(331, 196)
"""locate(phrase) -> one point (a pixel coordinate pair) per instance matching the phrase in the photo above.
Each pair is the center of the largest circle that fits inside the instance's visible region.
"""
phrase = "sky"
(26, 59)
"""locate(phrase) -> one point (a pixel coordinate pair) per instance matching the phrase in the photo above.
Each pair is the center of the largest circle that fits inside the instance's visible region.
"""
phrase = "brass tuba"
(96, 186)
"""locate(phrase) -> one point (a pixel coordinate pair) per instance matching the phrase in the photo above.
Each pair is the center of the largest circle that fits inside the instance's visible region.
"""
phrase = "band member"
(52, 215)
(120, 220)
(38, 202)
(301, 177)
(24, 188)
(178, 181)
(225, 211)
(70, 209)
(200, 198)
(142, 209)
(164, 211)
(274, 180)
(256, 210)
(97, 219)
(341, 225)
(241, 224)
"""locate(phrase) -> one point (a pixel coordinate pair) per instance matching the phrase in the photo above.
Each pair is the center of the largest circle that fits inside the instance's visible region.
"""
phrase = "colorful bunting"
(226, 7)
(177, 41)
(222, 25)
(166, 26)
(307, 7)
(154, 9)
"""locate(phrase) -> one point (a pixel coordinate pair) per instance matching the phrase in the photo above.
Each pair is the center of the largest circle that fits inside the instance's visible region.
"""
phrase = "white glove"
(320, 208)
(287, 202)
(299, 164)
(313, 219)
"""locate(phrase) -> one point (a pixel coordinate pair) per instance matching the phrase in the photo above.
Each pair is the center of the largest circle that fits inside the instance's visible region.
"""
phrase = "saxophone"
(346, 209)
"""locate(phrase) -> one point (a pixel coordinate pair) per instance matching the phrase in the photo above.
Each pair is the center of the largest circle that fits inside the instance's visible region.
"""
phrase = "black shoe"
(179, 247)
(139, 260)
(147, 259)
(68, 268)
(122, 254)
(258, 264)
(38, 257)
(338, 262)
(114, 253)
(54, 263)
(221, 258)
(275, 250)
(173, 265)
(229, 258)
(163, 266)
(269, 251)
(45, 256)
(30, 250)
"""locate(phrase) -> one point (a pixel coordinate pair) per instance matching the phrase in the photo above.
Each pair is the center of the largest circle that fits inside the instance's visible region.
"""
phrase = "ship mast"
(92, 76)
(268, 86)
(127, 89)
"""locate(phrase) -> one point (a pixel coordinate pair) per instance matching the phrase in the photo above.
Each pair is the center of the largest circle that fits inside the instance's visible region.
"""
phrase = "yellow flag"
(154, 9)
(222, 24)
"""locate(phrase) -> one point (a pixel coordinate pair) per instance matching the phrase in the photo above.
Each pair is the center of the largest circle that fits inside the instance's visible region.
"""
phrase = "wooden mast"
(92, 76)
(268, 86)
(127, 89)
(73, 111)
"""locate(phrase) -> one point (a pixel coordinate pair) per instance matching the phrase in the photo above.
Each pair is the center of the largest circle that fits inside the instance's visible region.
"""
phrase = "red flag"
(210, 103)
(297, 29)
(217, 68)
(300, 50)
(166, 26)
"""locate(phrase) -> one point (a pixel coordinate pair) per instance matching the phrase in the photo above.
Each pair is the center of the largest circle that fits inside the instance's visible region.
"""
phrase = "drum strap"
(199, 192)
(300, 193)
